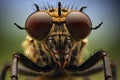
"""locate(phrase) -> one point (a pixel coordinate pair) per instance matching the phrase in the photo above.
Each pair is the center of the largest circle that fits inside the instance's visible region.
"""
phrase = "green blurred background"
(107, 37)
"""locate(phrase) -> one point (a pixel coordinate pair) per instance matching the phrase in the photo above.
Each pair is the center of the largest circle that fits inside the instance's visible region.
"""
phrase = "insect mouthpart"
(60, 46)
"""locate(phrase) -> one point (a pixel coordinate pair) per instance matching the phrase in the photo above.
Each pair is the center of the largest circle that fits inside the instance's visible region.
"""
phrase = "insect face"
(40, 23)
(59, 28)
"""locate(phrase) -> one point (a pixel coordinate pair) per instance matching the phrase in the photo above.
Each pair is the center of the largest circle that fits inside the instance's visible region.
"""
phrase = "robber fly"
(53, 47)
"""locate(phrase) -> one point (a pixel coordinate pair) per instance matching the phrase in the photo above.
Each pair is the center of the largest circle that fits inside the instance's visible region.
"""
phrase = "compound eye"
(78, 25)
(38, 25)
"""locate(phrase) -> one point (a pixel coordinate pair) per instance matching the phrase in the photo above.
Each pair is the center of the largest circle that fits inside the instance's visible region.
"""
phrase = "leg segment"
(14, 74)
(114, 73)
(4, 71)
(88, 72)
(28, 64)
(91, 62)
(31, 65)
(26, 72)
(107, 69)
(21, 71)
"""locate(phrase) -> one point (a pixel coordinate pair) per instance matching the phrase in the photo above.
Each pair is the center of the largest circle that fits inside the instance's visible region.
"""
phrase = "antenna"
(21, 28)
(82, 8)
(97, 26)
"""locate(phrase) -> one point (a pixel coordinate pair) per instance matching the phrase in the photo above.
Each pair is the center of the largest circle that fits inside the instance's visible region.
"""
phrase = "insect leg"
(26, 72)
(21, 71)
(31, 65)
(89, 72)
(114, 70)
(53, 52)
(27, 63)
(4, 71)
(14, 73)
(92, 61)
(68, 42)
(97, 69)
(68, 47)
(107, 69)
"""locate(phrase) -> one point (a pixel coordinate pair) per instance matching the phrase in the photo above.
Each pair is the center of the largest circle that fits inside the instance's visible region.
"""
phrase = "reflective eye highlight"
(78, 25)
(38, 25)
